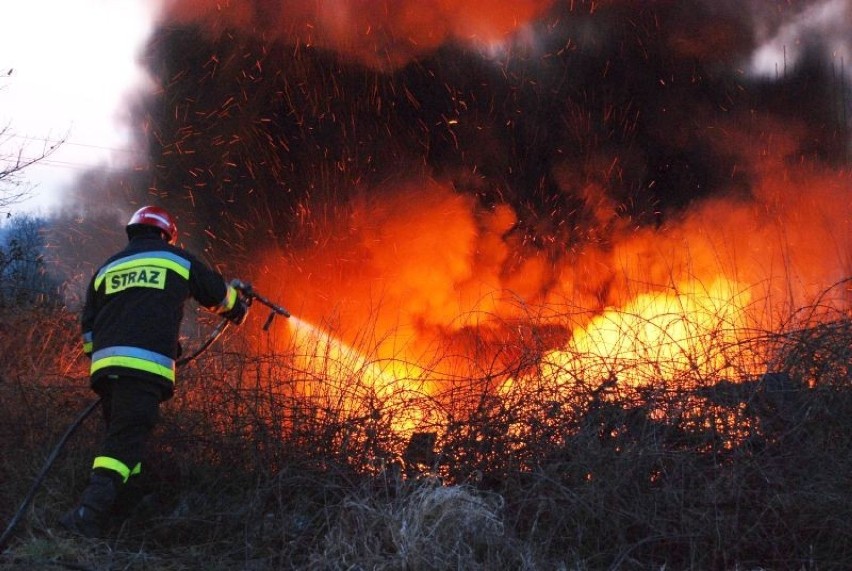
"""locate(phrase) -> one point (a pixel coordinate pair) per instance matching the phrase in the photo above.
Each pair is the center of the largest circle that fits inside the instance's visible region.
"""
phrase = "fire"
(669, 337)
(419, 291)
(657, 337)
(583, 209)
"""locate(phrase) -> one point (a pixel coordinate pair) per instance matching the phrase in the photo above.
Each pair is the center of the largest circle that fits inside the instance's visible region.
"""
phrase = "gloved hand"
(237, 314)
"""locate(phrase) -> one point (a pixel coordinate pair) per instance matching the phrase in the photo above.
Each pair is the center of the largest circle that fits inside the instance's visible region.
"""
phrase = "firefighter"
(130, 323)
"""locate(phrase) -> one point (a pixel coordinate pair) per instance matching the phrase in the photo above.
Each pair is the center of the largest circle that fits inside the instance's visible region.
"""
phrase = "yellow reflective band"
(137, 469)
(87, 347)
(134, 363)
(108, 463)
(229, 302)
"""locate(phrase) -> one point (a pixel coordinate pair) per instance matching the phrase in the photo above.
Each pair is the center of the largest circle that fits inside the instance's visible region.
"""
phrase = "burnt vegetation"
(251, 469)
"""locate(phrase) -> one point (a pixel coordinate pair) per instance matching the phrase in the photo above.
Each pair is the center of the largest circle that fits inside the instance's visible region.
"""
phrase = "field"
(261, 462)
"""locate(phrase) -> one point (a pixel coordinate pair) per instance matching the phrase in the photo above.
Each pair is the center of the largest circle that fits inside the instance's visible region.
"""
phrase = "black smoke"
(252, 134)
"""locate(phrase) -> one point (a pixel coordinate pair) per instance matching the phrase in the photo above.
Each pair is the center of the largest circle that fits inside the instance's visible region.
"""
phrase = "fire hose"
(249, 295)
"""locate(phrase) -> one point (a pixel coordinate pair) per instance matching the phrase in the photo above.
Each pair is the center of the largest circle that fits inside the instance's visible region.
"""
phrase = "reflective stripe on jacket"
(134, 358)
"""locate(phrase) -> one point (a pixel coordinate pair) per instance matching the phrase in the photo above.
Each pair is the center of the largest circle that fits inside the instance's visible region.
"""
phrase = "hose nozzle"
(248, 292)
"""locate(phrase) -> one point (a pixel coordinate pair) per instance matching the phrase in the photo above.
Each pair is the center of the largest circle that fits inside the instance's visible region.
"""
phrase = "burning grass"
(302, 456)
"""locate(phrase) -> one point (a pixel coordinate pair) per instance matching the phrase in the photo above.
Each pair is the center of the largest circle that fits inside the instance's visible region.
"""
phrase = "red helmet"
(158, 218)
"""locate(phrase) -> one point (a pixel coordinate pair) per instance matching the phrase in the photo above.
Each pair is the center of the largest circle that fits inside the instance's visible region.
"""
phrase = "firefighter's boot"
(88, 518)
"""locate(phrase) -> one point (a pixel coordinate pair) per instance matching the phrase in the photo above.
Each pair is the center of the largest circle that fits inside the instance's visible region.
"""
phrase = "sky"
(69, 76)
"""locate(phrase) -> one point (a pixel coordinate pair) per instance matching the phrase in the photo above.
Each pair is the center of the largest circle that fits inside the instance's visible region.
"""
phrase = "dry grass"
(417, 525)
(250, 470)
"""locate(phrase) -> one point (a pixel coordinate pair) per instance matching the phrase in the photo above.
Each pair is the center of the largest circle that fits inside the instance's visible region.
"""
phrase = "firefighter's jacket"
(134, 307)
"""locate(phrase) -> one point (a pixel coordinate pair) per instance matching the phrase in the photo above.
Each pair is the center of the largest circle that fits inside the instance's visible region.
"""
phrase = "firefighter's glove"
(237, 314)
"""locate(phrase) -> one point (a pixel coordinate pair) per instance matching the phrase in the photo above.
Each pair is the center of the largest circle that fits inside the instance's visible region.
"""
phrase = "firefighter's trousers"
(131, 409)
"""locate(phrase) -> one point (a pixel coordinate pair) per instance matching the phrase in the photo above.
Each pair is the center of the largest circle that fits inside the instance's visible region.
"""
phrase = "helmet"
(156, 217)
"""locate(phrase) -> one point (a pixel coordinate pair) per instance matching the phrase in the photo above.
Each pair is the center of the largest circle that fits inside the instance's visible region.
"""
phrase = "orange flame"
(438, 281)
(657, 337)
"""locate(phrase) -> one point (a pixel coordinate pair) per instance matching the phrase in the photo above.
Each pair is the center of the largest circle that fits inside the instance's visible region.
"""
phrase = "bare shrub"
(262, 463)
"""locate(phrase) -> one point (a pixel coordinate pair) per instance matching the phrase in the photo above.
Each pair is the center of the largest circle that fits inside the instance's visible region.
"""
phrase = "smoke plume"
(384, 34)
(432, 166)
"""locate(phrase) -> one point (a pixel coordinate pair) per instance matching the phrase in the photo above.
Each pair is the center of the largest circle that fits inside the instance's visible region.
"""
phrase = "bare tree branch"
(14, 186)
